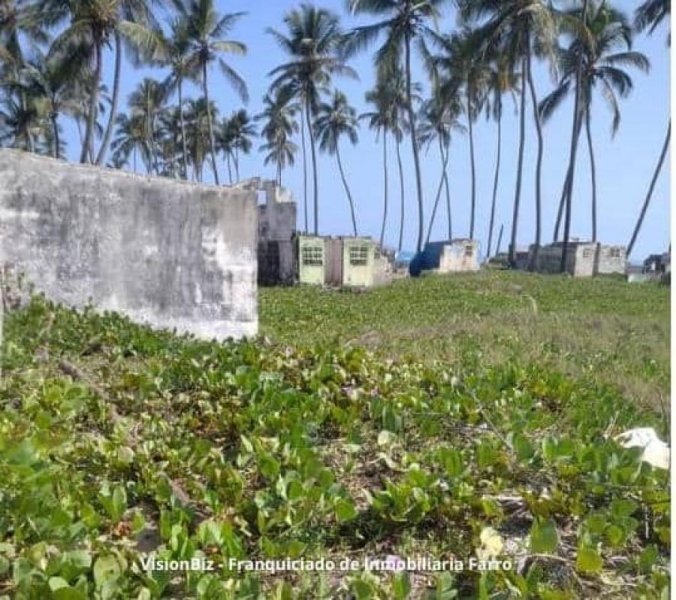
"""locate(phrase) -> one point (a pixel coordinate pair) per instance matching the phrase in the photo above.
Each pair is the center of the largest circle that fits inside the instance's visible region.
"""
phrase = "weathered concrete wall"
(611, 260)
(453, 256)
(580, 260)
(166, 253)
(276, 232)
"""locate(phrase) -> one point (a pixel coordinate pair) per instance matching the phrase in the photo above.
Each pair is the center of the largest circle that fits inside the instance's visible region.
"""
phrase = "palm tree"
(438, 121)
(335, 120)
(205, 31)
(241, 130)
(279, 116)
(520, 29)
(648, 16)
(501, 80)
(91, 26)
(603, 51)
(174, 53)
(197, 118)
(130, 141)
(462, 65)
(402, 22)
(381, 120)
(148, 101)
(312, 44)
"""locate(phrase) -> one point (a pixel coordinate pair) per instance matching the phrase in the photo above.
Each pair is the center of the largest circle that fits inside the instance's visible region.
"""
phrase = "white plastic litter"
(655, 451)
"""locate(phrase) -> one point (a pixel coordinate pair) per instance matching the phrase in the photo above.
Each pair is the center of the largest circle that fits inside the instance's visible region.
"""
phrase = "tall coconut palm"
(148, 101)
(381, 120)
(402, 22)
(649, 16)
(603, 50)
(279, 126)
(463, 65)
(502, 80)
(205, 31)
(241, 131)
(439, 119)
(337, 119)
(93, 25)
(312, 44)
(174, 53)
(521, 29)
(197, 118)
(130, 142)
(47, 81)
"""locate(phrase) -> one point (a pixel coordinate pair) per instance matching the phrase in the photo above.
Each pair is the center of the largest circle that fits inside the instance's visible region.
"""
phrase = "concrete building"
(167, 253)
(580, 260)
(611, 260)
(342, 261)
(454, 256)
(585, 259)
(276, 232)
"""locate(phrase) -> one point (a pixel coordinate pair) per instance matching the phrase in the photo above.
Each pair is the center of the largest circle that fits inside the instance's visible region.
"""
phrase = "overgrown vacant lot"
(479, 421)
(602, 328)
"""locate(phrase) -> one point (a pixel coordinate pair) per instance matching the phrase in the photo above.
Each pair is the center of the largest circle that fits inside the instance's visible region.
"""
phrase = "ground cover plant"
(345, 430)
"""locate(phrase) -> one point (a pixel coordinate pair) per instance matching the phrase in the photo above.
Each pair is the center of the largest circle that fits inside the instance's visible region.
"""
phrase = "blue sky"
(624, 164)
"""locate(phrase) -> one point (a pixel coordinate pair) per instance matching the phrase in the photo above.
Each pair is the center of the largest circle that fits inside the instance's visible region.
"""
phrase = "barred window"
(313, 256)
(615, 253)
(359, 255)
(469, 251)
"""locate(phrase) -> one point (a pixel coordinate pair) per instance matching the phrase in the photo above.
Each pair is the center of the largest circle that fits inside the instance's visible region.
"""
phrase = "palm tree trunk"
(496, 181)
(57, 140)
(577, 125)
(302, 140)
(385, 188)
(134, 158)
(538, 169)
(236, 161)
(592, 166)
(229, 165)
(651, 189)
(444, 164)
(313, 151)
(562, 202)
(402, 207)
(113, 107)
(448, 192)
(212, 142)
(93, 101)
(181, 118)
(414, 139)
(519, 168)
(347, 191)
(472, 160)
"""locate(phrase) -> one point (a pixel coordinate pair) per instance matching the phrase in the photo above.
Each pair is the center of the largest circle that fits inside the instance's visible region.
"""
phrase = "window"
(313, 256)
(615, 253)
(469, 251)
(359, 255)
(587, 253)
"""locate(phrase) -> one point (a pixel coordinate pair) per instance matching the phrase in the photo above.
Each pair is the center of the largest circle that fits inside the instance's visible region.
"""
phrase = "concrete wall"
(580, 260)
(611, 260)
(311, 260)
(276, 232)
(166, 253)
(460, 255)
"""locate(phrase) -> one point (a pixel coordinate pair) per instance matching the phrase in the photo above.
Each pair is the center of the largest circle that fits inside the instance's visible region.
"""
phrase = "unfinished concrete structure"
(166, 253)
(452, 256)
(584, 259)
(611, 260)
(580, 259)
(276, 232)
(342, 261)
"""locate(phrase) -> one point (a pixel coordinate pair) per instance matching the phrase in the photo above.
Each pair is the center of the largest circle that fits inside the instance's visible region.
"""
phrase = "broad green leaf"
(544, 538)
(588, 561)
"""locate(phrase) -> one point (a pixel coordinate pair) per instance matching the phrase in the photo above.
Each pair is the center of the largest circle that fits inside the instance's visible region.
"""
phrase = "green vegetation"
(451, 438)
